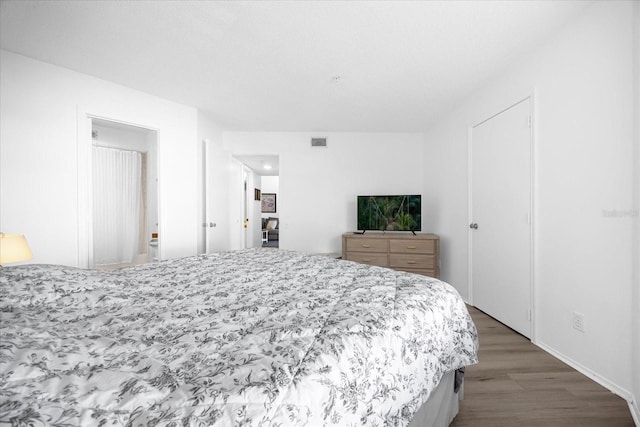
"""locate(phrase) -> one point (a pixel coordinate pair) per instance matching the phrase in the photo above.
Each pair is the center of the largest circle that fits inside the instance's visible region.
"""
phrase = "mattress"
(257, 337)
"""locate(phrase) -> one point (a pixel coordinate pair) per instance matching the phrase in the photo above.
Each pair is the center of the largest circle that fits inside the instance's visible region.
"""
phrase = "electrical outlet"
(578, 321)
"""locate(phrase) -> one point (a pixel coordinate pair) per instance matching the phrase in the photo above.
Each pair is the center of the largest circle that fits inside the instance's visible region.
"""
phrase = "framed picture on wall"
(268, 202)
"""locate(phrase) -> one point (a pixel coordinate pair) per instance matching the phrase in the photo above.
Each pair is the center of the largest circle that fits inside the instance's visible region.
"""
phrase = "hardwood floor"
(518, 384)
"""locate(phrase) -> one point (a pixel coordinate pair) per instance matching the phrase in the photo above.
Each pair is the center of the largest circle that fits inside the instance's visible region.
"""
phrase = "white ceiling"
(290, 65)
(259, 164)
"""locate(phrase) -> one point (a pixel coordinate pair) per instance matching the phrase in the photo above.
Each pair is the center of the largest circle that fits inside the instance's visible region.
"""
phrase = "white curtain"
(116, 205)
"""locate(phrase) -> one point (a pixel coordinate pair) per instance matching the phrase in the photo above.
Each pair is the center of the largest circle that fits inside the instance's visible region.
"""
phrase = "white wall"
(584, 147)
(41, 106)
(237, 236)
(318, 186)
(636, 203)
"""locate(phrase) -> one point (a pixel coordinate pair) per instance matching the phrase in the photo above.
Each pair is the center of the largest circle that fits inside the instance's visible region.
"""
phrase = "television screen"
(389, 213)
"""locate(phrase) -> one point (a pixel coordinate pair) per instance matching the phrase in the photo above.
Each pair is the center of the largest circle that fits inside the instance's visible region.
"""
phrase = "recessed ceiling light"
(267, 166)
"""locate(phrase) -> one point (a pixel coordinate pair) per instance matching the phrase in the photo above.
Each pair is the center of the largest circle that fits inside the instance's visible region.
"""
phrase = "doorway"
(500, 233)
(269, 211)
(262, 195)
(124, 220)
(231, 206)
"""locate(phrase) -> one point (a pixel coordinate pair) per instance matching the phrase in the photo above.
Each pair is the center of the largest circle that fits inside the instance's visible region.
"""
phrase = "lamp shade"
(13, 248)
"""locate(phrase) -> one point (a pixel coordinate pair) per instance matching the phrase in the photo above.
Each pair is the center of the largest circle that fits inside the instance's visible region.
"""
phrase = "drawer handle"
(411, 262)
(366, 246)
(366, 260)
(411, 247)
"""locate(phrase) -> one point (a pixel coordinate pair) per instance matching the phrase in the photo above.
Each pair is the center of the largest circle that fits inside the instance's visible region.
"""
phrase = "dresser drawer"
(412, 261)
(368, 258)
(367, 245)
(412, 246)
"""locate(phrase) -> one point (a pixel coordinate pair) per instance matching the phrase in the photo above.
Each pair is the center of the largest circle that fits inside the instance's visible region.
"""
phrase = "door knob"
(473, 225)
(212, 224)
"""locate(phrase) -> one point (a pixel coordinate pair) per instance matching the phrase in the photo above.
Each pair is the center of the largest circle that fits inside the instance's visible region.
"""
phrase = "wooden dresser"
(400, 251)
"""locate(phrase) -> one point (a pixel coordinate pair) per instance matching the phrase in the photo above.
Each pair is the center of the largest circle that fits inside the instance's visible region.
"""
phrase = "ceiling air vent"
(318, 142)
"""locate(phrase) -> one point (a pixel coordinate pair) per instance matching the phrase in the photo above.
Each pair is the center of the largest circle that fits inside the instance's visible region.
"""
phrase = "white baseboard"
(635, 411)
(614, 388)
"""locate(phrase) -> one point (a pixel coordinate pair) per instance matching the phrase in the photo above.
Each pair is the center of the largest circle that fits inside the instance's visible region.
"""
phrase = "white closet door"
(500, 224)
(217, 183)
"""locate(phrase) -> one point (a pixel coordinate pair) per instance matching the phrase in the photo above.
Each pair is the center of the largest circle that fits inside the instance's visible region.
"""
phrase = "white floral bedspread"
(258, 337)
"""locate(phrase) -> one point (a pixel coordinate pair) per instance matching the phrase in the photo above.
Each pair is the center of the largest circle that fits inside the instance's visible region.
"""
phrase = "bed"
(256, 337)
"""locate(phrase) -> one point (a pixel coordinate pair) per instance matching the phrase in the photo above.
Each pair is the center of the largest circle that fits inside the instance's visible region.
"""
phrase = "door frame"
(531, 98)
(84, 144)
(236, 201)
(204, 233)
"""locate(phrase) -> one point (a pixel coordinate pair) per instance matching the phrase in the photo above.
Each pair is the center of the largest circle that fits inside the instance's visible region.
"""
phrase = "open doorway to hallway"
(266, 168)
(270, 216)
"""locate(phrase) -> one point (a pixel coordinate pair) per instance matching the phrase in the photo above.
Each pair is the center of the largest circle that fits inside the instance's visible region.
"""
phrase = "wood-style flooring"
(518, 384)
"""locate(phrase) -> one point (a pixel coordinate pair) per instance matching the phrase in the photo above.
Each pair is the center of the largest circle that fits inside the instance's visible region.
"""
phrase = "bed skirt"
(443, 404)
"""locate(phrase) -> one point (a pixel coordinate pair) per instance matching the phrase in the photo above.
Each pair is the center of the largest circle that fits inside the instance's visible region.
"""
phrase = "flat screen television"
(390, 213)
